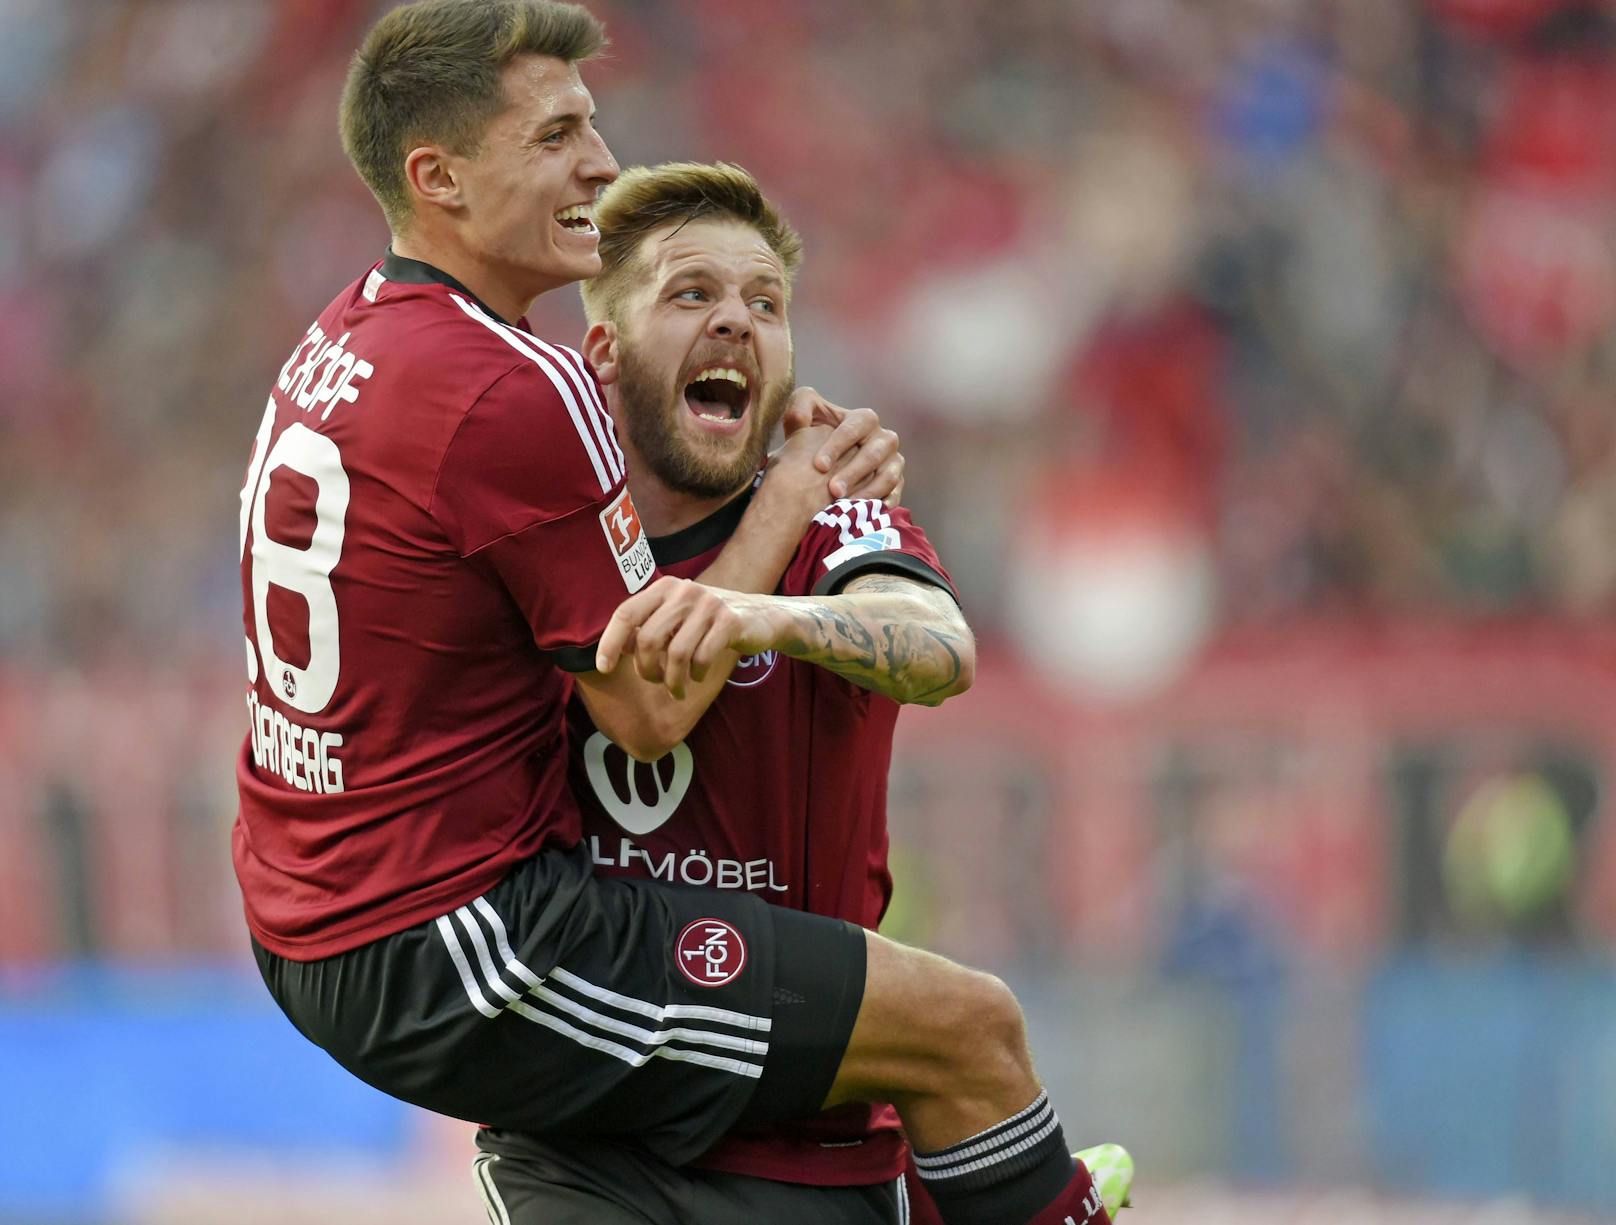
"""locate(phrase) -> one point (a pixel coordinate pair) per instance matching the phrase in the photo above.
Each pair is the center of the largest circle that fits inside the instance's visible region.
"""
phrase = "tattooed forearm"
(832, 638)
(896, 636)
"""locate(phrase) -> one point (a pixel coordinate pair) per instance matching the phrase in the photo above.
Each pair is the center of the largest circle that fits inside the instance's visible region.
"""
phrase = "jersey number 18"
(307, 571)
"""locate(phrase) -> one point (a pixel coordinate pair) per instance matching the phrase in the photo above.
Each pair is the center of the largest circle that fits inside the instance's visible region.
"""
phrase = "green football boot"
(1111, 1167)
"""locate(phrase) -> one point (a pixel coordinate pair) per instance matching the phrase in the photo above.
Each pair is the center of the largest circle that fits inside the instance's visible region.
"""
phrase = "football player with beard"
(780, 789)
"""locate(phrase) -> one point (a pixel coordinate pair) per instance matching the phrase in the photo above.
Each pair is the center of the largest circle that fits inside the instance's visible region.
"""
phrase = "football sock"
(1017, 1172)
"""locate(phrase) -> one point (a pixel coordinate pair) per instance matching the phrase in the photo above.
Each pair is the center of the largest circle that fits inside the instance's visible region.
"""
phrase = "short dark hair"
(430, 72)
(646, 197)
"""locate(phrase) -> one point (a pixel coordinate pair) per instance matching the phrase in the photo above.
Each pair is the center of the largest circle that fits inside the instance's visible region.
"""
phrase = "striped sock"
(1003, 1175)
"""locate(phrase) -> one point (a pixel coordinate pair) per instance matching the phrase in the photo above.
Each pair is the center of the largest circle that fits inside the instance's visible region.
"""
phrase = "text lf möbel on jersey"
(693, 867)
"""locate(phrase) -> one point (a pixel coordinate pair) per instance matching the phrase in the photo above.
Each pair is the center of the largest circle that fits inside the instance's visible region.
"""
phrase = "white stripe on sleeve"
(603, 474)
(594, 409)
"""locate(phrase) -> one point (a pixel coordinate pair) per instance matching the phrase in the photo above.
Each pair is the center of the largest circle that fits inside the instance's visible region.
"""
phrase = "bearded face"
(703, 360)
(702, 427)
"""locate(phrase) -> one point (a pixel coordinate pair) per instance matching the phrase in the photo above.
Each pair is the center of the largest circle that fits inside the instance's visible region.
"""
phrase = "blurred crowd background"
(1255, 364)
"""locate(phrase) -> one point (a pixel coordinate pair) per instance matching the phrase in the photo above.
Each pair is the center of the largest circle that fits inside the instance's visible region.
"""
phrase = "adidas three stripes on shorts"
(561, 1003)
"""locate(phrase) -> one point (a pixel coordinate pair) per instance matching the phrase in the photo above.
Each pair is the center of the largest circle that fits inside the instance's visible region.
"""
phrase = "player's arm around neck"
(660, 663)
(830, 452)
(765, 540)
(895, 636)
(683, 637)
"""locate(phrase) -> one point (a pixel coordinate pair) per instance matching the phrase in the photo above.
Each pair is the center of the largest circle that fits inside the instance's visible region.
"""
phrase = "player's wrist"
(761, 623)
(792, 492)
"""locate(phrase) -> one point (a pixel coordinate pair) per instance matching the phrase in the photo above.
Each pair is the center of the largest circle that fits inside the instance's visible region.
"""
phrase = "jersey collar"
(414, 272)
(703, 535)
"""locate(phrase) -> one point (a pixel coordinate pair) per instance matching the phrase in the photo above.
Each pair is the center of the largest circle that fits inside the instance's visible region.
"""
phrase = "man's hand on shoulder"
(827, 448)
(859, 457)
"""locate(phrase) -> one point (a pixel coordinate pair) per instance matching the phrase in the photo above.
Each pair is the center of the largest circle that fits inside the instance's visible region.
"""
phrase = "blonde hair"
(647, 197)
(430, 73)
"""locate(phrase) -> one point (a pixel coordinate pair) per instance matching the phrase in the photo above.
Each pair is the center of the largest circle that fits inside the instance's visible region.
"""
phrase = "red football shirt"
(780, 789)
(433, 522)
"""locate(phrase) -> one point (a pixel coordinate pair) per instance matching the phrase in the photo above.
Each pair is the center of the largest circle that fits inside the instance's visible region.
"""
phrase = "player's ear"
(431, 177)
(600, 349)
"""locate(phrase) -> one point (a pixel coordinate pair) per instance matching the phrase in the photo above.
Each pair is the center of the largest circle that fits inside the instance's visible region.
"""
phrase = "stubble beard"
(653, 410)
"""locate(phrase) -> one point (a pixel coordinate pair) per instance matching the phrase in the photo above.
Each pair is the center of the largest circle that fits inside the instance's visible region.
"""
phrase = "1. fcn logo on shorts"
(710, 953)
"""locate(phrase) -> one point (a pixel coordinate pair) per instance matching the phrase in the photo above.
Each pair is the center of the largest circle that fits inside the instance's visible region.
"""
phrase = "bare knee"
(929, 1026)
(989, 1029)
(1005, 1018)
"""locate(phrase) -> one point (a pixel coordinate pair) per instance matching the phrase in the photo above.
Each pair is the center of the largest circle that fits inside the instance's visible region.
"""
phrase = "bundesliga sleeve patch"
(630, 545)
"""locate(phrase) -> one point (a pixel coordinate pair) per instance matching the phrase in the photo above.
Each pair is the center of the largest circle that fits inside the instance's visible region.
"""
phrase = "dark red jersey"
(780, 789)
(433, 522)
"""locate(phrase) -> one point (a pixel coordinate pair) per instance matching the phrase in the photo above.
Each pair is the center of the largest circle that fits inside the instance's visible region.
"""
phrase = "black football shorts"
(524, 1180)
(565, 1004)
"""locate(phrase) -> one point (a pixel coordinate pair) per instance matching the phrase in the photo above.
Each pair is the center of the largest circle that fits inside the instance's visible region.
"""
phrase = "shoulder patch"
(630, 545)
(880, 541)
(855, 517)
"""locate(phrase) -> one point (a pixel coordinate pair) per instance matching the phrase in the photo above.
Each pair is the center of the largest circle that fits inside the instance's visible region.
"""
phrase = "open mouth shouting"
(719, 396)
(578, 219)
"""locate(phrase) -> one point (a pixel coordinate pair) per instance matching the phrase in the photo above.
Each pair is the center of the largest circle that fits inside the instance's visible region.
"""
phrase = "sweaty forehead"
(728, 248)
